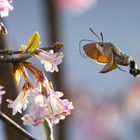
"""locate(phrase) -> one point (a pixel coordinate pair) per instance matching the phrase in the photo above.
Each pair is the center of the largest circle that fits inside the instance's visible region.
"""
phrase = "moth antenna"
(80, 47)
(121, 69)
(102, 38)
(95, 34)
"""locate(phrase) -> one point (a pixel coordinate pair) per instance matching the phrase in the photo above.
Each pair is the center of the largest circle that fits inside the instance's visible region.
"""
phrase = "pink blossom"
(47, 107)
(57, 108)
(19, 103)
(5, 7)
(45, 102)
(49, 59)
(75, 6)
(1, 93)
(45, 87)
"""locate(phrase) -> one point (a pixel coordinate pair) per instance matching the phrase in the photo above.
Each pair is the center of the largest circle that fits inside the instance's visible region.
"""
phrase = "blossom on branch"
(49, 59)
(5, 7)
(47, 107)
(45, 103)
(20, 102)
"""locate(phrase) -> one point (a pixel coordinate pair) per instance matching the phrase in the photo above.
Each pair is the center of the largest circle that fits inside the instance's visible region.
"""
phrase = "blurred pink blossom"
(132, 102)
(99, 120)
(5, 7)
(75, 6)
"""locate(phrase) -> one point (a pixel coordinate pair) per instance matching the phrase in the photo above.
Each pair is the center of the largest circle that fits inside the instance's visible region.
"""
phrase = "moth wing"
(111, 65)
(94, 51)
(102, 59)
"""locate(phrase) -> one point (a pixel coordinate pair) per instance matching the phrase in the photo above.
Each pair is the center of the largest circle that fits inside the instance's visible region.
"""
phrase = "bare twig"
(5, 59)
(6, 56)
(17, 127)
(55, 46)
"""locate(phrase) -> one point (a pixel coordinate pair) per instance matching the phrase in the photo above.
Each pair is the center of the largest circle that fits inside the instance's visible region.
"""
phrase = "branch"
(56, 46)
(14, 59)
(10, 59)
(17, 127)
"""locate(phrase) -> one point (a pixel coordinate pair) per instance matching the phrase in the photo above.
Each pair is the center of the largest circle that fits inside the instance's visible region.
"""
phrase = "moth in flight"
(107, 53)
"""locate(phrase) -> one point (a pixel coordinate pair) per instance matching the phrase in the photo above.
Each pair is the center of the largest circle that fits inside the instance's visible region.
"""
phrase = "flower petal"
(5, 7)
(19, 103)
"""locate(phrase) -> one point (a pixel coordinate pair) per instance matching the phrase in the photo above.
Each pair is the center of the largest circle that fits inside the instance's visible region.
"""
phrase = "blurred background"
(107, 106)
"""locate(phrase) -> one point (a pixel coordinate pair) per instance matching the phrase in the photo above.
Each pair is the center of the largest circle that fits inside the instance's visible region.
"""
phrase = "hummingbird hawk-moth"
(107, 53)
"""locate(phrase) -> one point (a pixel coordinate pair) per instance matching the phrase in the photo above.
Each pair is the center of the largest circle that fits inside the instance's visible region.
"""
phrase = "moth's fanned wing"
(111, 65)
(94, 51)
